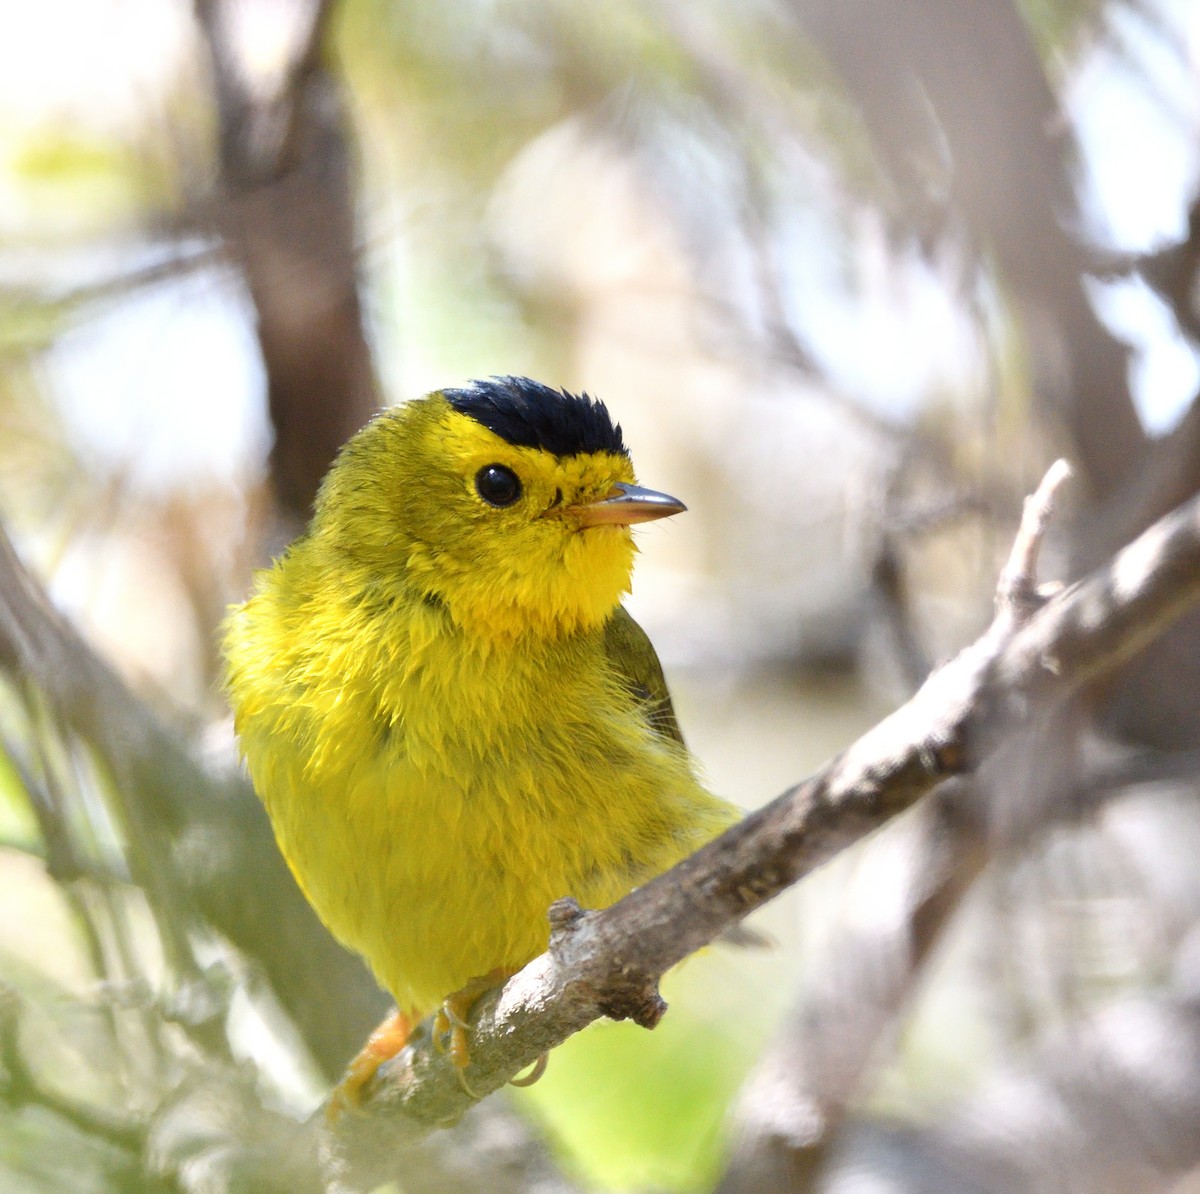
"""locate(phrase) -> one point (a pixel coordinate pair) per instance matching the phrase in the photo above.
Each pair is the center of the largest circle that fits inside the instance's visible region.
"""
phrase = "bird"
(445, 708)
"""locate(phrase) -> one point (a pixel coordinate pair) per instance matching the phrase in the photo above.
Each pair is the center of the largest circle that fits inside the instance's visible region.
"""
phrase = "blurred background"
(850, 273)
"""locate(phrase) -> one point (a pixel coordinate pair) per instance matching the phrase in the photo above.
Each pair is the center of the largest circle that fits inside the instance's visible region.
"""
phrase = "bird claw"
(451, 1031)
(534, 1074)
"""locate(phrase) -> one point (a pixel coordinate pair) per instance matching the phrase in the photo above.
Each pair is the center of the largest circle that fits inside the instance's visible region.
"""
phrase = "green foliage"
(632, 1109)
(1058, 25)
(18, 826)
(66, 184)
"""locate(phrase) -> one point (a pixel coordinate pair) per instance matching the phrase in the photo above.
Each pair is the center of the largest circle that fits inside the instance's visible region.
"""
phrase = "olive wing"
(630, 651)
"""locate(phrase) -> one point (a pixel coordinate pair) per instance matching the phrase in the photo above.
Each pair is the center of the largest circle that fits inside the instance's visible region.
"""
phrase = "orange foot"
(451, 1030)
(385, 1042)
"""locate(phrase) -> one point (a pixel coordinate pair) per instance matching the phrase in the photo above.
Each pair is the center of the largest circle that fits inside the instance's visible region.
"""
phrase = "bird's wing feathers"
(632, 654)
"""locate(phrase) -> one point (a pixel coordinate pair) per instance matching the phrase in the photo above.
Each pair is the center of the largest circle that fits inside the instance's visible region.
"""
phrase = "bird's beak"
(626, 504)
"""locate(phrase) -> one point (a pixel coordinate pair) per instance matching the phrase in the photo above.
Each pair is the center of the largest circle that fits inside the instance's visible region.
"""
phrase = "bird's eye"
(497, 485)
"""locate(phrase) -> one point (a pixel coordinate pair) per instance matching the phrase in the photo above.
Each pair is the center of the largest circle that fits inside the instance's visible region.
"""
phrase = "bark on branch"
(1037, 651)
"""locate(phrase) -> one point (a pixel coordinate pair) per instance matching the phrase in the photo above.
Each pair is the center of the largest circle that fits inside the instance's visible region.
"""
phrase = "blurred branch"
(214, 1134)
(263, 126)
(491, 1148)
(1108, 1104)
(735, 93)
(1174, 273)
(188, 816)
(891, 592)
(285, 207)
(1152, 702)
(20, 1086)
(178, 259)
(959, 110)
(1037, 651)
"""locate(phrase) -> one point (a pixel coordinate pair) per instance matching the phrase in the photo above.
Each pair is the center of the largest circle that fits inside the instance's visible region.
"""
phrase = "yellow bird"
(449, 716)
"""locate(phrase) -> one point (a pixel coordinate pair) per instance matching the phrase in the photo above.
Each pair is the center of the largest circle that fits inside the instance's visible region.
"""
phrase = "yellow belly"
(441, 870)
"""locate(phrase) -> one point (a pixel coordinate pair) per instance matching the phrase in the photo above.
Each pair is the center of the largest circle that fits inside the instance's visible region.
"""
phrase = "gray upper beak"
(627, 504)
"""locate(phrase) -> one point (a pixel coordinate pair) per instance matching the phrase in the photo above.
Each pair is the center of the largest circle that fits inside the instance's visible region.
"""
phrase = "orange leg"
(385, 1042)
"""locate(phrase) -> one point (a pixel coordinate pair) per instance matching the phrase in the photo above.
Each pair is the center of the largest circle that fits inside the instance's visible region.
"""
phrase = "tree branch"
(609, 962)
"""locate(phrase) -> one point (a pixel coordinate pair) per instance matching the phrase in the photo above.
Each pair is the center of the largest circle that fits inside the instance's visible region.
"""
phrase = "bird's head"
(508, 502)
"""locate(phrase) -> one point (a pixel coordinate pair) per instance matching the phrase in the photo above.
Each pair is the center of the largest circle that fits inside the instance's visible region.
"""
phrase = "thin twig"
(1017, 591)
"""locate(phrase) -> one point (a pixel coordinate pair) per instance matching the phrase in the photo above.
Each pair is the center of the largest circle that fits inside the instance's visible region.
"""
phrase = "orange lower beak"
(624, 505)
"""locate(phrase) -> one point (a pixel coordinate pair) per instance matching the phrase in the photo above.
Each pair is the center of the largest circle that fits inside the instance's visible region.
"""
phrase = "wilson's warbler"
(449, 716)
